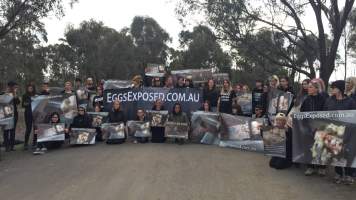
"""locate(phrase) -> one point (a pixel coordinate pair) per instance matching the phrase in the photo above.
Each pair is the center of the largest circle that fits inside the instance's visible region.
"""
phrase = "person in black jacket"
(313, 102)
(116, 116)
(339, 101)
(226, 99)
(26, 104)
(259, 97)
(99, 98)
(211, 94)
(9, 134)
(82, 120)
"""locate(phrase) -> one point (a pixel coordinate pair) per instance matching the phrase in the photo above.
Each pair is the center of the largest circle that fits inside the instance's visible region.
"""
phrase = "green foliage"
(202, 51)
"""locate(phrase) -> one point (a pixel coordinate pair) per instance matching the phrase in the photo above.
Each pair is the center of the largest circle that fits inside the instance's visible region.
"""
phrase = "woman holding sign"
(43, 146)
(313, 102)
(339, 101)
(116, 115)
(178, 116)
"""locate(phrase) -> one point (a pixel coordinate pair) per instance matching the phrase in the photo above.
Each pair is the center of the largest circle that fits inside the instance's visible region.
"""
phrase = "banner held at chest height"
(144, 98)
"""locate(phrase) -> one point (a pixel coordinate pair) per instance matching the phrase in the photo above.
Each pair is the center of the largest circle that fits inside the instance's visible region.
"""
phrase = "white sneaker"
(309, 172)
(348, 180)
(37, 151)
(44, 149)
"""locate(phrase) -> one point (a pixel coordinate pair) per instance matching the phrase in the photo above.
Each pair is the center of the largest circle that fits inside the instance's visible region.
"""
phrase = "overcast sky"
(120, 13)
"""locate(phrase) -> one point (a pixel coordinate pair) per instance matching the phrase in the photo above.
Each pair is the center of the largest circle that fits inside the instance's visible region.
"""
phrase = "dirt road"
(156, 171)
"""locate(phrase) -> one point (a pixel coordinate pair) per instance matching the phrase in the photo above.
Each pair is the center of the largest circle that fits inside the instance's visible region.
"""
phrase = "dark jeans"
(29, 122)
(9, 139)
(347, 171)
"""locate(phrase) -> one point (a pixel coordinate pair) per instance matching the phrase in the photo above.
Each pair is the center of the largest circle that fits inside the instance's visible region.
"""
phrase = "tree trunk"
(326, 70)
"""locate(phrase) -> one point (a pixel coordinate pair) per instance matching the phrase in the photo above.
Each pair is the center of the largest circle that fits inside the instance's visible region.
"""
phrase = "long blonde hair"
(352, 81)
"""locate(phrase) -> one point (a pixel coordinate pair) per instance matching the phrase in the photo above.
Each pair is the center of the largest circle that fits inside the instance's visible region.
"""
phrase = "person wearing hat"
(314, 102)
(10, 132)
(339, 101)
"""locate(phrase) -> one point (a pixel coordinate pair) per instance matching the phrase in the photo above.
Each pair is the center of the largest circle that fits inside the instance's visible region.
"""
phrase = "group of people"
(312, 96)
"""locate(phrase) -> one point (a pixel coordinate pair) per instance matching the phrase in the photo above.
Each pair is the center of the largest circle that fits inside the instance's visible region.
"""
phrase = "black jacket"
(313, 103)
(259, 98)
(26, 103)
(82, 121)
(345, 104)
(212, 96)
(117, 116)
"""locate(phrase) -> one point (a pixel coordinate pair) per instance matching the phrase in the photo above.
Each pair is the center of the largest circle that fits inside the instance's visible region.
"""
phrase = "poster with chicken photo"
(114, 131)
(82, 97)
(139, 129)
(82, 136)
(6, 111)
(325, 138)
(274, 140)
(176, 130)
(157, 118)
(98, 118)
(44, 106)
(205, 127)
(280, 102)
(237, 133)
(245, 102)
(50, 132)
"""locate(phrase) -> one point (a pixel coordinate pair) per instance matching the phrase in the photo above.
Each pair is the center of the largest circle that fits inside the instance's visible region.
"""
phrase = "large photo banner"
(6, 111)
(144, 98)
(44, 106)
(205, 127)
(198, 76)
(325, 138)
(50, 132)
(241, 133)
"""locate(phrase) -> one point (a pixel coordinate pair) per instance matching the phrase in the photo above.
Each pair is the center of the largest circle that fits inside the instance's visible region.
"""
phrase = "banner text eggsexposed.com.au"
(132, 96)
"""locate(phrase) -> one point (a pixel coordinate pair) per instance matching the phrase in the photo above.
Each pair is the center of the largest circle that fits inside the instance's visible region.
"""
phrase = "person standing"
(339, 101)
(258, 96)
(10, 132)
(26, 104)
(211, 94)
(226, 99)
(313, 102)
